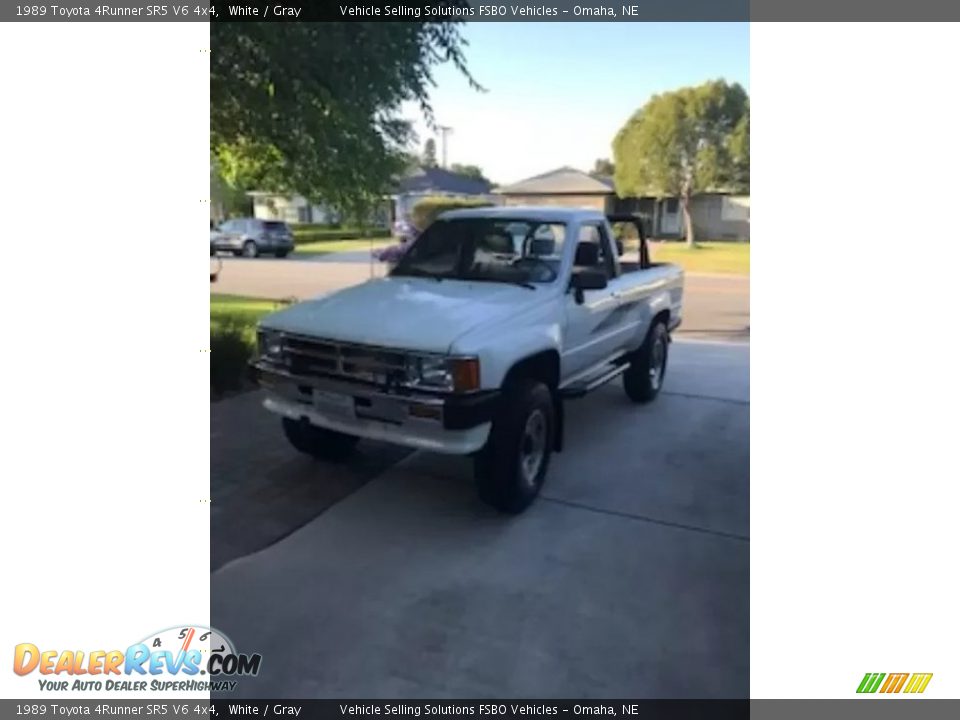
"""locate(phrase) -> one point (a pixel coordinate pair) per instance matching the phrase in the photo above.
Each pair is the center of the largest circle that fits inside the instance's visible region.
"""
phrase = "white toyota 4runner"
(490, 321)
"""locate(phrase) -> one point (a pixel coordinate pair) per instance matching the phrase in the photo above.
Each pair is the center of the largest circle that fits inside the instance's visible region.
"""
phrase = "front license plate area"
(333, 403)
(382, 409)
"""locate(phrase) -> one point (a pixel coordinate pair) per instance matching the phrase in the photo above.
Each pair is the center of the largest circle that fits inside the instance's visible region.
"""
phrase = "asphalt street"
(715, 306)
(386, 577)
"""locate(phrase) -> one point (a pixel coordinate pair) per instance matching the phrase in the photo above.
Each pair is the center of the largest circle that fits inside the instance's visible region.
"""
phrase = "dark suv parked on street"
(250, 237)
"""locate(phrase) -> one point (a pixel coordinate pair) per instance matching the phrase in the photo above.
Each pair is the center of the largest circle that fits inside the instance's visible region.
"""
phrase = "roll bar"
(637, 221)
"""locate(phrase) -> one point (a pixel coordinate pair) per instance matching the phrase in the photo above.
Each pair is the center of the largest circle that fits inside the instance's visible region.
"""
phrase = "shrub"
(231, 347)
(427, 209)
(303, 234)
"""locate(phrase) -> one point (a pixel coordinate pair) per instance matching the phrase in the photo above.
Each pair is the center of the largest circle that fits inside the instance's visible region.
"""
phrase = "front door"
(593, 327)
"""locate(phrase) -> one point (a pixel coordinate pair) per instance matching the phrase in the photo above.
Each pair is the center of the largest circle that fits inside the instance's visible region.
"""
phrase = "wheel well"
(662, 316)
(544, 366)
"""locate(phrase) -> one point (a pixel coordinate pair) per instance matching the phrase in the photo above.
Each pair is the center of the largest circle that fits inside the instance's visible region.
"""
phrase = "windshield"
(487, 249)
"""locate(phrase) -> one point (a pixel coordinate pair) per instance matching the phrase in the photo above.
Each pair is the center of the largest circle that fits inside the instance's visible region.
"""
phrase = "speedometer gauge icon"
(180, 640)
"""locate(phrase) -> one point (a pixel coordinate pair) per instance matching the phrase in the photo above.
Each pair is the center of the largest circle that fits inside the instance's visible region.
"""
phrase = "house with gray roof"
(565, 187)
(415, 184)
(716, 215)
(421, 182)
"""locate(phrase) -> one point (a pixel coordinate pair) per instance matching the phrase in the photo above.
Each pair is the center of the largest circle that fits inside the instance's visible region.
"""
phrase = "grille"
(354, 362)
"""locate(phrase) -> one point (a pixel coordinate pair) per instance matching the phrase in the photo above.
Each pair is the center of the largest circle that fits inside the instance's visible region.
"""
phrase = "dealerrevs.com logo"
(180, 659)
(910, 683)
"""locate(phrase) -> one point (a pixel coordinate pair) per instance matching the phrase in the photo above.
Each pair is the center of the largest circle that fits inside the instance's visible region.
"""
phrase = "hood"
(406, 313)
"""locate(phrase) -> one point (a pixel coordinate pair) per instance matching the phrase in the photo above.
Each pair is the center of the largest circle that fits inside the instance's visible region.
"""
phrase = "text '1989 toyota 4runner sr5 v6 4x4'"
(471, 344)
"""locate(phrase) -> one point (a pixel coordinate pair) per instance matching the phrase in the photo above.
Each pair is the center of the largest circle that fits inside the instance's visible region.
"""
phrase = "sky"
(557, 93)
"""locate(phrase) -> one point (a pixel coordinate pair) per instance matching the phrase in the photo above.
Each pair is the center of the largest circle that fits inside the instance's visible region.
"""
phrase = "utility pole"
(444, 131)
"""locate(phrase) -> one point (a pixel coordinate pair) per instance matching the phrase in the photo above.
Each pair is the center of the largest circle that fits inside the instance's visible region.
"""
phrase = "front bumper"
(451, 424)
(227, 243)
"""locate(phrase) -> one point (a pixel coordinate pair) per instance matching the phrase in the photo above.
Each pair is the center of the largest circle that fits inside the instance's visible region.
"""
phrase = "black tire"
(250, 249)
(318, 442)
(644, 378)
(504, 480)
(282, 253)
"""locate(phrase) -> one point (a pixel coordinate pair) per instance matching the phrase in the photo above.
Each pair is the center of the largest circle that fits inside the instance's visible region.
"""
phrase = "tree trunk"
(687, 221)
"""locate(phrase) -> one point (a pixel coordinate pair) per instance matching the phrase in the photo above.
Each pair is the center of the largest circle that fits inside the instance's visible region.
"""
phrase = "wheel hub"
(533, 446)
(657, 358)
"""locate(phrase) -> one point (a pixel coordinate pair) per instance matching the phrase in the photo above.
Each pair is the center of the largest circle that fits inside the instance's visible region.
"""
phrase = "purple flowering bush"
(391, 254)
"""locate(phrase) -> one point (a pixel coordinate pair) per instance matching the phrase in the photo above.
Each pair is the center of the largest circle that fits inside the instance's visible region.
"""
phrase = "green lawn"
(707, 257)
(322, 247)
(237, 311)
(233, 324)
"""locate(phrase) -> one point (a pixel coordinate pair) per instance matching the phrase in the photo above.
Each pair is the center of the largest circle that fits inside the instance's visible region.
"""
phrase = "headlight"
(270, 344)
(441, 373)
(429, 372)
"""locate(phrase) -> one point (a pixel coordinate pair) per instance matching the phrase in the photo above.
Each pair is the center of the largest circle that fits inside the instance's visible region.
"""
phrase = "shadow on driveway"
(262, 489)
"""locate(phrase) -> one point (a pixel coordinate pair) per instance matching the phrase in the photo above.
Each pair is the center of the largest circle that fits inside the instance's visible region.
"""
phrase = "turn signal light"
(466, 374)
(427, 412)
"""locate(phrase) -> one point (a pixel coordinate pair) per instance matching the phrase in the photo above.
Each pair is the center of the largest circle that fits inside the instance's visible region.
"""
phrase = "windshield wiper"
(519, 283)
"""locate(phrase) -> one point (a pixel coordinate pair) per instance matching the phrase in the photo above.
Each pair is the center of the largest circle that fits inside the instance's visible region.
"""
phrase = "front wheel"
(511, 469)
(250, 249)
(318, 442)
(644, 378)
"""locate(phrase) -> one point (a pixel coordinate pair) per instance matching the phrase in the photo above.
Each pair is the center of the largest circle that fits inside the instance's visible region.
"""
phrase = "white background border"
(105, 288)
(855, 375)
(856, 262)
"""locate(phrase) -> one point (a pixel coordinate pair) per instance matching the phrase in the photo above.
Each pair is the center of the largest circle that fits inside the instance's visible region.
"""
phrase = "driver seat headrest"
(542, 247)
(588, 254)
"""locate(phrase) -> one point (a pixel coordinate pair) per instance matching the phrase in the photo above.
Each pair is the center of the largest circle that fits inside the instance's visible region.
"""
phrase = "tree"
(695, 139)
(430, 153)
(470, 171)
(740, 154)
(313, 108)
(226, 200)
(602, 167)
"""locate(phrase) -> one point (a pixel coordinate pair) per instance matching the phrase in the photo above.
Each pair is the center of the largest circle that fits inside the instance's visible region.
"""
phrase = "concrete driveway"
(629, 577)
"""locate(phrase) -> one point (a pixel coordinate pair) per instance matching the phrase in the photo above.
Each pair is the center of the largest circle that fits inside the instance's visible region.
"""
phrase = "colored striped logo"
(894, 682)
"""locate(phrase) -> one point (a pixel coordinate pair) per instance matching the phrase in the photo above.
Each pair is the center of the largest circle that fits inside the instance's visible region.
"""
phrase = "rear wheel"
(644, 378)
(318, 442)
(511, 469)
(250, 249)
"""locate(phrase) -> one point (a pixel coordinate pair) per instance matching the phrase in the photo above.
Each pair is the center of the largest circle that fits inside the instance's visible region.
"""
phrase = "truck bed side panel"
(646, 293)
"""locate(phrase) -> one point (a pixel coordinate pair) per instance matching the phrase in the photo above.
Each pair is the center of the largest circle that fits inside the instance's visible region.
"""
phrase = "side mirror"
(586, 279)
